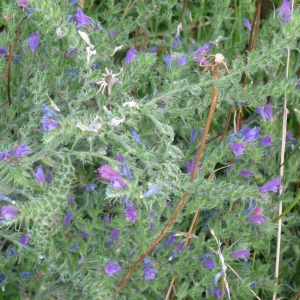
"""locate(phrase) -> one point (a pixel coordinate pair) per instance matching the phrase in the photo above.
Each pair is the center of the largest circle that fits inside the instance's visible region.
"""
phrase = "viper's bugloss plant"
(105, 105)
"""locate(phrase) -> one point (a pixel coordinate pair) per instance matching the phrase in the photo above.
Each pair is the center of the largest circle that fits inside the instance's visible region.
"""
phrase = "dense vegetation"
(147, 148)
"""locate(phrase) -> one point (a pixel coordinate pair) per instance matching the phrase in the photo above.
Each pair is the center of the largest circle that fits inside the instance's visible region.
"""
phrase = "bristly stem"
(215, 70)
(136, 36)
(183, 10)
(251, 45)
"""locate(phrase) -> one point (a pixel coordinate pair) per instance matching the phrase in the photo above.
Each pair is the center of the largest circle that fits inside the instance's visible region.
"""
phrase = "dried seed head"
(219, 58)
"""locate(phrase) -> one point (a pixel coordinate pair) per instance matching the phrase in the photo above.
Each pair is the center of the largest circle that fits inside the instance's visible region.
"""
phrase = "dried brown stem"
(215, 69)
(154, 244)
(297, 295)
(251, 45)
(173, 281)
(135, 36)
(199, 154)
(183, 10)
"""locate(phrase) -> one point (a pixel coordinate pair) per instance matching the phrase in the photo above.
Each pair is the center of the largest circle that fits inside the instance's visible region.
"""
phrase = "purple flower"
(247, 24)
(266, 112)
(147, 261)
(180, 246)
(125, 171)
(201, 54)
(81, 18)
(25, 274)
(289, 134)
(110, 243)
(152, 226)
(201, 61)
(68, 217)
(109, 176)
(29, 10)
(2, 277)
(114, 234)
(21, 150)
(245, 173)
(48, 124)
(84, 234)
(130, 55)
(113, 33)
(257, 211)
(106, 219)
(257, 219)
(252, 135)
(3, 51)
(172, 239)
(266, 141)
(106, 172)
(237, 149)
(126, 202)
(251, 206)
(271, 186)
(216, 293)
(91, 187)
(70, 18)
(149, 273)
(285, 11)
(209, 264)
(75, 247)
(241, 254)
(33, 41)
(168, 60)
(10, 252)
(17, 58)
(175, 42)
(181, 61)
(154, 189)
(202, 50)
(4, 155)
(154, 49)
(23, 3)
(131, 213)
(205, 256)
(73, 2)
(71, 200)
(190, 166)
(8, 212)
(193, 135)
(117, 183)
(112, 268)
(120, 158)
(39, 175)
(49, 112)
(24, 240)
(136, 137)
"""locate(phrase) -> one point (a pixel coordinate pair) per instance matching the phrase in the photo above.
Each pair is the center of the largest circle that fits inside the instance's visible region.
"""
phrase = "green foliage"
(95, 127)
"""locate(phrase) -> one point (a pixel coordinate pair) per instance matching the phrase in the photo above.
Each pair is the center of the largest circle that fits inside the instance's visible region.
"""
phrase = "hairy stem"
(184, 197)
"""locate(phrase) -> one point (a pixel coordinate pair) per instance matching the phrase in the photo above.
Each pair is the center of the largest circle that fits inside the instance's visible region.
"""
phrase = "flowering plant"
(141, 149)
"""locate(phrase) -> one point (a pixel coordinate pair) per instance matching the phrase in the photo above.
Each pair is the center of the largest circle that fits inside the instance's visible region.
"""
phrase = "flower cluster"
(109, 176)
(19, 151)
(48, 124)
